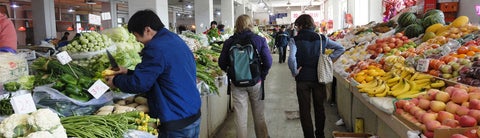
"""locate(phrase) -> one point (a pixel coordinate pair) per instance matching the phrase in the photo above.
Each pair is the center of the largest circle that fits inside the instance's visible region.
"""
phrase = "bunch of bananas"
(369, 74)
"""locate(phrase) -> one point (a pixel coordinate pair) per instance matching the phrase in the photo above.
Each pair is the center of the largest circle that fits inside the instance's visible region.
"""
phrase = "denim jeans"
(191, 131)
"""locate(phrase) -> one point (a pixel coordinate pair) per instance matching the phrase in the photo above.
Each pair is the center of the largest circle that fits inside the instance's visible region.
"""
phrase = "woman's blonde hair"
(243, 23)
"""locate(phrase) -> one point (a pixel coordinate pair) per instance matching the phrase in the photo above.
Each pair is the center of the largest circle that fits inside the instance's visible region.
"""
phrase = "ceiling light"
(190, 16)
(261, 3)
(265, 8)
(269, 11)
(218, 13)
(178, 14)
(70, 10)
(189, 6)
(14, 5)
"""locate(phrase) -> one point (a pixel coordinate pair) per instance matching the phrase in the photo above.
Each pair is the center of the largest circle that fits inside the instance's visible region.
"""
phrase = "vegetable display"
(207, 67)
(88, 42)
(111, 126)
(132, 103)
(5, 106)
(48, 70)
(73, 87)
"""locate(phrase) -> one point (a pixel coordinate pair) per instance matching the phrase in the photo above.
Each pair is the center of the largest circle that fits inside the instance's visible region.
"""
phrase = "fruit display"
(455, 107)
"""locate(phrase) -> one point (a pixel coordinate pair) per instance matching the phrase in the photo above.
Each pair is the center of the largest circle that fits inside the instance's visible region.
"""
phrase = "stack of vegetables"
(207, 67)
(88, 42)
(133, 103)
(109, 126)
(127, 48)
(74, 88)
(42, 123)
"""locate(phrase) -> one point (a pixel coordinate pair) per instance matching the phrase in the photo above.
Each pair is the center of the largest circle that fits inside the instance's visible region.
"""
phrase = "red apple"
(473, 95)
(414, 101)
(437, 106)
(459, 95)
(428, 117)
(401, 103)
(452, 107)
(471, 133)
(424, 96)
(466, 104)
(473, 89)
(449, 89)
(467, 121)
(399, 111)
(428, 134)
(424, 104)
(414, 109)
(442, 96)
(474, 113)
(451, 122)
(418, 115)
(442, 115)
(432, 93)
(408, 106)
(432, 125)
(474, 104)
(458, 136)
(462, 110)
(461, 86)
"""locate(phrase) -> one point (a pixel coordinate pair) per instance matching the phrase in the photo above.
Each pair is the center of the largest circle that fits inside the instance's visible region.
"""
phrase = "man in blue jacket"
(167, 74)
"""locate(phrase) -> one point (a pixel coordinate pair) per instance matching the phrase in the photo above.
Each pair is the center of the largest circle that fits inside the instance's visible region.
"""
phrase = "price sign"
(23, 104)
(446, 50)
(98, 89)
(422, 65)
(63, 57)
(94, 19)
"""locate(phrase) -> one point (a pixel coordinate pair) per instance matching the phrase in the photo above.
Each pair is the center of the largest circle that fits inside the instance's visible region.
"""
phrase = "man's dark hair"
(305, 21)
(220, 27)
(66, 33)
(213, 22)
(283, 26)
(142, 19)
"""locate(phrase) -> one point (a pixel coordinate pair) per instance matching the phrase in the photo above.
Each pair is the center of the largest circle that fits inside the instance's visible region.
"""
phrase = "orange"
(462, 55)
(470, 53)
(462, 50)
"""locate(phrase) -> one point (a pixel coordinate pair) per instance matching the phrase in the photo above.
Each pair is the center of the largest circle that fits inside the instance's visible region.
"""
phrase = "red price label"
(98, 89)
(23, 104)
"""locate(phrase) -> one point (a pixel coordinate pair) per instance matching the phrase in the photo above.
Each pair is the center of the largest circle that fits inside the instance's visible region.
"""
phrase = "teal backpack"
(245, 63)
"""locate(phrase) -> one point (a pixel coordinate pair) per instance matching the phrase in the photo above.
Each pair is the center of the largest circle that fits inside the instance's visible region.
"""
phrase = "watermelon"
(413, 30)
(431, 20)
(434, 12)
(406, 19)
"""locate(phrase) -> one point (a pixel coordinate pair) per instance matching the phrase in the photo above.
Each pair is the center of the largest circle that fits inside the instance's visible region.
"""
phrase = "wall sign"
(94, 19)
(315, 15)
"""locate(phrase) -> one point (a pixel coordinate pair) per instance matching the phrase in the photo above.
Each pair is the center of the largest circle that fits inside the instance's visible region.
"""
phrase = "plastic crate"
(449, 17)
(429, 4)
(449, 6)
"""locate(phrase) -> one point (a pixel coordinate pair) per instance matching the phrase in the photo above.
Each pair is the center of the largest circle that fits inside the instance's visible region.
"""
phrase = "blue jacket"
(308, 52)
(167, 74)
(259, 42)
(281, 39)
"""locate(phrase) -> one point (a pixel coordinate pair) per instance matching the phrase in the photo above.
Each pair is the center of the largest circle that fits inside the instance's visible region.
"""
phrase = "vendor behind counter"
(8, 35)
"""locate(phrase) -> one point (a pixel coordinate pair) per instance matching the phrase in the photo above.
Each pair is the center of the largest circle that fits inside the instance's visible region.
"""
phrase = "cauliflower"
(43, 119)
(8, 125)
(59, 132)
(40, 134)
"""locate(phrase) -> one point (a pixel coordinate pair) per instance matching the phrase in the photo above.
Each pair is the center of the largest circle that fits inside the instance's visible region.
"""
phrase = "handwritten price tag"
(446, 50)
(23, 104)
(63, 57)
(98, 89)
(422, 65)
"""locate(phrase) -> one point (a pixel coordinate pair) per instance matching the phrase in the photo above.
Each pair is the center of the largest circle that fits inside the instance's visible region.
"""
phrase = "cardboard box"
(449, 7)
(448, 132)
(337, 134)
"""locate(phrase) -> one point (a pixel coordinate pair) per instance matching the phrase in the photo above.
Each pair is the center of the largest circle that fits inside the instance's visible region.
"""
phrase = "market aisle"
(280, 97)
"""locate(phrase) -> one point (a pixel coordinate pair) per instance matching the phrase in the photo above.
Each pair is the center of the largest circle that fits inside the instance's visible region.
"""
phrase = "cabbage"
(118, 34)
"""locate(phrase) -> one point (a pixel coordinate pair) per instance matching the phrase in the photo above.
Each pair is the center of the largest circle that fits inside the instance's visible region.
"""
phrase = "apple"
(401, 103)
(432, 93)
(399, 111)
(474, 104)
(446, 69)
(451, 122)
(443, 115)
(473, 89)
(442, 96)
(463, 61)
(474, 113)
(447, 76)
(449, 89)
(455, 74)
(414, 109)
(471, 133)
(428, 117)
(432, 125)
(462, 110)
(424, 104)
(414, 101)
(459, 95)
(466, 104)
(418, 115)
(458, 136)
(407, 107)
(386, 49)
(467, 121)
(461, 86)
(437, 106)
(379, 41)
(428, 134)
(473, 95)
(452, 107)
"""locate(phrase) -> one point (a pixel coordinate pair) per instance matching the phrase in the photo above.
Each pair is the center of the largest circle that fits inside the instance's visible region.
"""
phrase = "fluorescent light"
(189, 6)
(13, 5)
(70, 10)
(265, 8)
(190, 16)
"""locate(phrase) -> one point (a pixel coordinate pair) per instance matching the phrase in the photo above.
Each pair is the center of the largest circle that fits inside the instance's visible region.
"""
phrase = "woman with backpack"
(244, 39)
(308, 51)
(281, 41)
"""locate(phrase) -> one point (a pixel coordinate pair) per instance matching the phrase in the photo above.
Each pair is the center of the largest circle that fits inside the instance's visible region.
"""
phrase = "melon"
(431, 20)
(460, 21)
(406, 19)
(434, 28)
(413, 30)
(434, 12)
(428, 35)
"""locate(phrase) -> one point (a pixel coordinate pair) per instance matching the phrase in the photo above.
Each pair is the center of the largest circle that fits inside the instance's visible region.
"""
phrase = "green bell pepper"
(59, 85)
(69, 79)
(79, 97)
(11, 86)
(85, 82)
(73, 89)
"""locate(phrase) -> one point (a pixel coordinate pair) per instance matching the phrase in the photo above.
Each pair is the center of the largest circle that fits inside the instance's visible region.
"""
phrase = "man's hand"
(298, 71)
(109, 80)
(122, 70)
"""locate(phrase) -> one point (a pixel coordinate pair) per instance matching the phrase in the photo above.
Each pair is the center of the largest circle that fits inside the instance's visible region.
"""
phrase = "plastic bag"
(45, 96)
(86, 55)
(383, 103)
(138, 134)
(12, 66)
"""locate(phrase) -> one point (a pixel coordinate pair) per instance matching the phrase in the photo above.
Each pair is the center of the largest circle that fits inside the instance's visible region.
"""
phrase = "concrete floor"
(280, 96)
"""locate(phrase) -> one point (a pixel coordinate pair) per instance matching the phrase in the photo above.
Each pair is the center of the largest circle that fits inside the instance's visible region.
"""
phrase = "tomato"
(434, 72)
(470, 53)
(379, 41)
(391, 40)
(473, 48)
(404, 38)
(398, 35)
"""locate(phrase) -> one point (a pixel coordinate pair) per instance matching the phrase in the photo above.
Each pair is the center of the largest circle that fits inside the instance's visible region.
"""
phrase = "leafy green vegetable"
(11, 86)
(26, 82)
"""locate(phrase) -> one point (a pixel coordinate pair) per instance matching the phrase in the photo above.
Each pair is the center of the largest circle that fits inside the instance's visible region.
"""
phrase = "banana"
(404, 96)
(404, 74)
(398, 85)
(413, 86)
(369, 84)
(414, 76)
(394, 79)
(384, 93)
(424, 76)
(392, 84)
(408, 76)
(419, 81)
(438, 84)
(399, 91)
(379, 89)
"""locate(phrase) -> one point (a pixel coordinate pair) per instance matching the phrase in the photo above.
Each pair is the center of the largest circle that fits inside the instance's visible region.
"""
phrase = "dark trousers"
(306, 91)
(282, 52)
